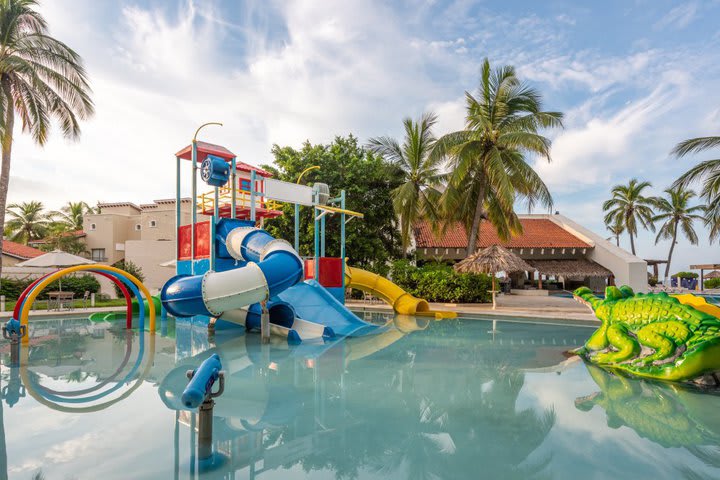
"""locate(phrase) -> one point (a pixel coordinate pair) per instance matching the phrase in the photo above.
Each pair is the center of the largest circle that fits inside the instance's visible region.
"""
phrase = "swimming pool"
(425, 399)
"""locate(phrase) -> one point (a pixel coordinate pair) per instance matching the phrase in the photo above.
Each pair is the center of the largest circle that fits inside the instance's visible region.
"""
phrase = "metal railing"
(206, 201)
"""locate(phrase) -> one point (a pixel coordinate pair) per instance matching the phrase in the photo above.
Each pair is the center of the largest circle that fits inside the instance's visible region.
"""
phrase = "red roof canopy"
(537, 233)
(19, 250)
(204, 149)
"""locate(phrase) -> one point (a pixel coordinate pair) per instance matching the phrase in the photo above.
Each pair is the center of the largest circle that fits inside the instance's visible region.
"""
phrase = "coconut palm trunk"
(475, 229)
(6, 142)
(670, 253)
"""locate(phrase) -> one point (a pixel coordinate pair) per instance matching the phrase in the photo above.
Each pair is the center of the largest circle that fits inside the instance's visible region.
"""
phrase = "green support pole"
(297, 228)
(178, 213)
(322, 236)
(317, 241)
(194, 205)
(233, 179)
(252, 195)
(342, 238)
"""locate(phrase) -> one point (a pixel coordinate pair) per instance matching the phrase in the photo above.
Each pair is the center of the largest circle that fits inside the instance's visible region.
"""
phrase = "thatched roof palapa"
(572, 269)
(492, 260)
(713, 274)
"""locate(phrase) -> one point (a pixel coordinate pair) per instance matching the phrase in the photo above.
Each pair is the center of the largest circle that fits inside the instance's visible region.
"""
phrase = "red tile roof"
(537, 233)
(19, 250)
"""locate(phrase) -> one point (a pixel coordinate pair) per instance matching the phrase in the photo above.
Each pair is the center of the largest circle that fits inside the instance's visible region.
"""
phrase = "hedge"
(686, 275)
(712, 283)
(12, 288)
(440, 283)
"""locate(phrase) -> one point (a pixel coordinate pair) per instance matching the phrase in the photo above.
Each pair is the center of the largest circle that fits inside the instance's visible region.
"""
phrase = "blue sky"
(633, 78)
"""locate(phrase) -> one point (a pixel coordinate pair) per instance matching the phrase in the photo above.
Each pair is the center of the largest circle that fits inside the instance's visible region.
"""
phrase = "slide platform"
(401, 301)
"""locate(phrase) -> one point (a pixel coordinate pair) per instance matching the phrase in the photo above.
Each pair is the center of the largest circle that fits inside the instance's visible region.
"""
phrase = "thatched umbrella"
(711, 275)
(492, 260)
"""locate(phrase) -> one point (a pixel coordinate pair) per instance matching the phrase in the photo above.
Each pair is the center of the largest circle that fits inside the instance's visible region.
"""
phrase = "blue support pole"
(317, 242)
(194, 205)
(342, 238)
(178, 213)
(252, 195)
(233, 179)
(297, 228)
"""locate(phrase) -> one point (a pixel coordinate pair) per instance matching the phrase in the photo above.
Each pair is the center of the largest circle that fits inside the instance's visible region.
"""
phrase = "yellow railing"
(206, 201)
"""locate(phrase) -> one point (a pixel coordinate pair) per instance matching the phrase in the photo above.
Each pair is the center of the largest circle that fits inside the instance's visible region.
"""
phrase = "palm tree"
(41, 80)
(616, 228)
(418, 196)
(27, 222)
(71, 215)
(629, 207)
(487, 164)
(676, 213)
(707, 172)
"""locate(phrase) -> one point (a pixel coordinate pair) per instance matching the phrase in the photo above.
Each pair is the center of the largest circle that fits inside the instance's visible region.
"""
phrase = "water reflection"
(395, 405)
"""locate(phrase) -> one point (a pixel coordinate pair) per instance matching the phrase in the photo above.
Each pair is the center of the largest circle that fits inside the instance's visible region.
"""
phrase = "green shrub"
(652, 280)
(686, 275)
(440, 283)
(12, 288)
(712, 283)
(130, 268)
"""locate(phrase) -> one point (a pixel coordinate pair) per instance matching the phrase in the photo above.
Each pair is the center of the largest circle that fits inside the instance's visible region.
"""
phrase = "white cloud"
(679, 17)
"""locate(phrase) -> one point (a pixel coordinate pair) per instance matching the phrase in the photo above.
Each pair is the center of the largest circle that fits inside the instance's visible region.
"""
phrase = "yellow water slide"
(699, 303)
(401, 301)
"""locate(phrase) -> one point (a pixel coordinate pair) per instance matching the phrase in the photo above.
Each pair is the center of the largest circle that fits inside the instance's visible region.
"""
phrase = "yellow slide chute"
(699, 303)
(401, 301)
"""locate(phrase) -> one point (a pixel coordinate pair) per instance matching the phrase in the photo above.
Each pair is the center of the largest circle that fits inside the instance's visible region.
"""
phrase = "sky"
(632, 77)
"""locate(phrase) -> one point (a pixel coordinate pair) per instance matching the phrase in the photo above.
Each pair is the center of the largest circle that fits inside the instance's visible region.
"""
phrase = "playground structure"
(231, 270)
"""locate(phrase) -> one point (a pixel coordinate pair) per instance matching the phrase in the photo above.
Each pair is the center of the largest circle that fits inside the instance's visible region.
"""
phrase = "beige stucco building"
(142, 234)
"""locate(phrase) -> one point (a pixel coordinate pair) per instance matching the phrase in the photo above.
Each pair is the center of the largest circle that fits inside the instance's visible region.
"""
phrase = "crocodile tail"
(586, 296)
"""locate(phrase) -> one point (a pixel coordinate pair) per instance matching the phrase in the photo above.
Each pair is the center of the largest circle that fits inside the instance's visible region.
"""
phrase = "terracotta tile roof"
(537, 233)
(18, 250)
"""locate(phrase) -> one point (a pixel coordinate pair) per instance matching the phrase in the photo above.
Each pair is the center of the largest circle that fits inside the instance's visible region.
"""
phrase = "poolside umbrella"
(492, 260)
(55, 259)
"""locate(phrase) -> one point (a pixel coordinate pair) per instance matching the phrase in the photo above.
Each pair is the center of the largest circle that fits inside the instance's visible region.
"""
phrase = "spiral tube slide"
(273, 266)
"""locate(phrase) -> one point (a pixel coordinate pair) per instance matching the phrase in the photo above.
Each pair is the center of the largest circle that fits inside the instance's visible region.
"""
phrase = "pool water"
(422, 400)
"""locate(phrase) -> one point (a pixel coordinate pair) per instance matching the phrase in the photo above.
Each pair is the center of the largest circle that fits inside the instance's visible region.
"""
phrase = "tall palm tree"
(675, 213)
(27, 222)
(418, 196)
(71, 215)
(41, 80)
(488, 168)
(616, 228)
(707, 172)
(629, 207)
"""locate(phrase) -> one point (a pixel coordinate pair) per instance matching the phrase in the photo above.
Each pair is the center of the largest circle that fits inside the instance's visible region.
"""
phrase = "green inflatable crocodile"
(653, 336)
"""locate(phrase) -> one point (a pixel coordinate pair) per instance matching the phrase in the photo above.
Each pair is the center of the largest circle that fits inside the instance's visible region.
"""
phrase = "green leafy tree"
(629, 207)
(488, 167)
(367, 180)
(41, 80)
(60, 237)
(28, 221)
(708, 174)
(617, 228)
(71, 215)
(130, 268)
(417, 196)
(676, 213)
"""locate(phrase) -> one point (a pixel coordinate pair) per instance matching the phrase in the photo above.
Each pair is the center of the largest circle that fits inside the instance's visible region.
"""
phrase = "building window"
(98, 255)
(92, 226)
(153, 223)
(138, 227)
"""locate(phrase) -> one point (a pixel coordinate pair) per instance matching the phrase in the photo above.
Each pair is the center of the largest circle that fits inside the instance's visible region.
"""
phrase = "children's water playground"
(249, 365)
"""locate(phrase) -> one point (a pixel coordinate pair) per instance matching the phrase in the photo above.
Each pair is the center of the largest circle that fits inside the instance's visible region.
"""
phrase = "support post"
(702, 283)
(322, 236)
(265, 323)
(194, 205)
(342, 239)
(316, 253)
(297, 228)
(92, 300)
(178, 213)
(252, 195)
(233, 179)
(2, 303)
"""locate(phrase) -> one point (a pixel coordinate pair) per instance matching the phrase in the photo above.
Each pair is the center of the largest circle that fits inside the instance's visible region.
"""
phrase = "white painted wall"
(148, 255)
(627, 268)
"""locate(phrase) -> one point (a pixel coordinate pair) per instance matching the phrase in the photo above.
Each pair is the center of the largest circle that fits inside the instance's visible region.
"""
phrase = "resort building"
(14, 253)
(558, 248)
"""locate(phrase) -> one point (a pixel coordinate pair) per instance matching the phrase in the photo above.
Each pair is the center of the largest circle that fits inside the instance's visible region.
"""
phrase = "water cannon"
(321, 192)
(215, 171)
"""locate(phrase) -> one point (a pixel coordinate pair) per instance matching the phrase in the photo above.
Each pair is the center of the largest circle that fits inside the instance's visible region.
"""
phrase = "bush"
(652, 280)
(686, 275)
(12, 288)
(440, 283)
(130, 268)
(712, 283)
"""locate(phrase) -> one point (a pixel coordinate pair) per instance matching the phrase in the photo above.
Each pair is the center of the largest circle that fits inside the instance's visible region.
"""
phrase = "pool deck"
(508, 306)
